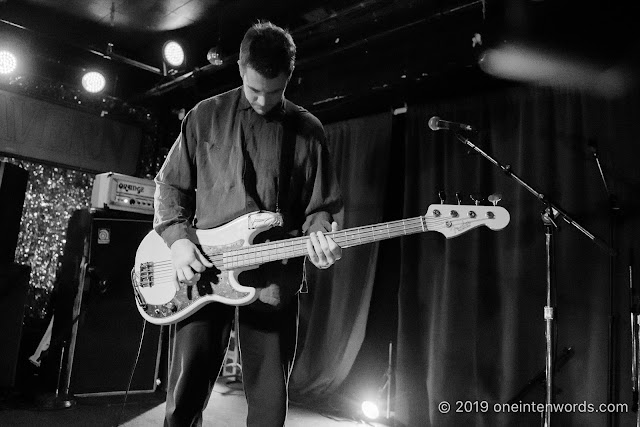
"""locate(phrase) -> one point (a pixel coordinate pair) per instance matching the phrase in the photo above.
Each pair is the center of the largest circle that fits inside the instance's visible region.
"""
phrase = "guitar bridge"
(146, 274)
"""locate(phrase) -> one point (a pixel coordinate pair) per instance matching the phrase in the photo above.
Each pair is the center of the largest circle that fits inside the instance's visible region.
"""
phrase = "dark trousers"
(267, 340)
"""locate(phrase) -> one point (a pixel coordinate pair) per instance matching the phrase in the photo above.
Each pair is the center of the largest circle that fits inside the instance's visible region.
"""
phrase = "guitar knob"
(459, 197)
(171, 307)
(442, 196)
(495, 198)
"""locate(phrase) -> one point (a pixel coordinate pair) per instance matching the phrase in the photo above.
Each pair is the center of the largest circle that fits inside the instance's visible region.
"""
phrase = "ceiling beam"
(107, 54)
(232, 59)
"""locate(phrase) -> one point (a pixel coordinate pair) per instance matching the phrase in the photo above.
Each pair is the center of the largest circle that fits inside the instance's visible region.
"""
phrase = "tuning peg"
(459, 197)
(442, 196)
(495, 198)
(476, 198)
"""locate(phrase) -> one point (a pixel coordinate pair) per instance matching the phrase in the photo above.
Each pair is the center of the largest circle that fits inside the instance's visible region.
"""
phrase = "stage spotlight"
(382, 399)
(370, 409)
(93, 81)
(8, 62)
(173, 53)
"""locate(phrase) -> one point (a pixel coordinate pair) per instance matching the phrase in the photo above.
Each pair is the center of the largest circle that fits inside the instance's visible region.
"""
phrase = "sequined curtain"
(53, 193)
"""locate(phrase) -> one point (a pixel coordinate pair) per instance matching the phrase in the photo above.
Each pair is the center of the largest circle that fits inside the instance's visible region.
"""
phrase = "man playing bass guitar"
(246, 150)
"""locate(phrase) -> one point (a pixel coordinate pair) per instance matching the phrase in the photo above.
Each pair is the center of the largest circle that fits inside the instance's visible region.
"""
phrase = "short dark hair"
(268, 49)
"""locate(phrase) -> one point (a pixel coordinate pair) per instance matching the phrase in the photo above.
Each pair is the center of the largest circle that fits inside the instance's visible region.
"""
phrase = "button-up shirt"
(226, 162)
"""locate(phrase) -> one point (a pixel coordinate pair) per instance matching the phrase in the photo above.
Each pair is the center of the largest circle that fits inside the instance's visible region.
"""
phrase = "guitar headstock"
(452, 220)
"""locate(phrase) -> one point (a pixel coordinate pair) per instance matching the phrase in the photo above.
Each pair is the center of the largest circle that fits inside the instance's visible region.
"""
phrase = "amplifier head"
(121, 192)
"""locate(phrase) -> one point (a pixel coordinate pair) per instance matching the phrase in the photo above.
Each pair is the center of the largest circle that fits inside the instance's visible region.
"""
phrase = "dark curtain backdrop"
(471, 324)
(333, 315)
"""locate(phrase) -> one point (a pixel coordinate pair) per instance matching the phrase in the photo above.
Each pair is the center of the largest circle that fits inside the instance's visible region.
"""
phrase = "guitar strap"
(287, 150)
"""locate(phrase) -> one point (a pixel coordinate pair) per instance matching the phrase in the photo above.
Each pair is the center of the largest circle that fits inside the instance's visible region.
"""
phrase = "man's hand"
(188, 261)
(322, 250)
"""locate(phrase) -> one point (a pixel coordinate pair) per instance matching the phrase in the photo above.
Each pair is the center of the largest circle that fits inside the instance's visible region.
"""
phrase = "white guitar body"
(163, 300)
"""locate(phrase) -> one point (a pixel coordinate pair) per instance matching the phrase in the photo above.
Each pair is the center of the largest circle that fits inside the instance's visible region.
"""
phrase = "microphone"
(592, 144)
(435, 123)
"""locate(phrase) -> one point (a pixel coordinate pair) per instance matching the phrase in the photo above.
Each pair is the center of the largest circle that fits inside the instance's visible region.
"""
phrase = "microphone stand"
(634, 308)
(613, 211)
(551, 212)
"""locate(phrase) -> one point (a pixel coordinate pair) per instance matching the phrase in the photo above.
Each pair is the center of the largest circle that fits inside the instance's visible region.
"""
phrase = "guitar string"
(290, 247)
(293, 246)
(366, 234)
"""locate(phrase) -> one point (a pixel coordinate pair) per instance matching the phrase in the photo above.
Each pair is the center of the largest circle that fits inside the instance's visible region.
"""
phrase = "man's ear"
(241, 69)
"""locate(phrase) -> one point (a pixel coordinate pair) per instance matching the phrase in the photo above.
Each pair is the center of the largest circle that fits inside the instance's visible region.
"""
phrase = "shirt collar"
(276, 113)
(244, 102)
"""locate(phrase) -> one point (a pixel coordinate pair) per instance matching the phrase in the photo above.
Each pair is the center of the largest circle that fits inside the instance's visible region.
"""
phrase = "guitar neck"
(373, 233)
(291, 248)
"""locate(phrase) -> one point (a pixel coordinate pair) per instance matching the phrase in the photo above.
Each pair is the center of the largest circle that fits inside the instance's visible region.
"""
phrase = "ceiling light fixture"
(8, 62)
(173, 53)
(93, 81)
(214, 57)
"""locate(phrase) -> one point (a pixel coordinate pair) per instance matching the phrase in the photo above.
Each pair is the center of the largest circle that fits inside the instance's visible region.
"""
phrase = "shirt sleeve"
(174, 199)
(325, 202)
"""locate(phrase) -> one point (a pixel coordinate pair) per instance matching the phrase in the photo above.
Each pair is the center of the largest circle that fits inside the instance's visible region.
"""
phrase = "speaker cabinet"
(14, 286)
(96, 319)
(13, 184)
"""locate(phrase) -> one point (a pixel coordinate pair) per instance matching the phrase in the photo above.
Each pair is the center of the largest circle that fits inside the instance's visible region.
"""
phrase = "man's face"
(263, 94)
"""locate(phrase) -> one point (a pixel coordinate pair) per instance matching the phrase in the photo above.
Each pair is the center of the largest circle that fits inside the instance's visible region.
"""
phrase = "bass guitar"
(162, 300)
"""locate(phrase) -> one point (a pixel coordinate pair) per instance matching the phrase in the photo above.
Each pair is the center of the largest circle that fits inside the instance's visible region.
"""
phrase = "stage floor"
(227, 408)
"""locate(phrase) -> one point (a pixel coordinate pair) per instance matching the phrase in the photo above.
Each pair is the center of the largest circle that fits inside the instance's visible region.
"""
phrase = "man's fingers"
(331, 250)
(323, 251)
(311, 252)
(197, 266)
(204, 261)
(190, 276)
(187, 277)
(180, 275)
(188, 261)
(316, 240)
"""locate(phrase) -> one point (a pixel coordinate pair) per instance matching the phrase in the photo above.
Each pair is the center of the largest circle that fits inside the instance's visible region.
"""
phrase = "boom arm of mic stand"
(556, 210)
(550, 212)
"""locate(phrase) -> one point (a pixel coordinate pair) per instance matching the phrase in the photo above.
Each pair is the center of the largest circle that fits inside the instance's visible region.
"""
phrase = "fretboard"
(291, 248)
